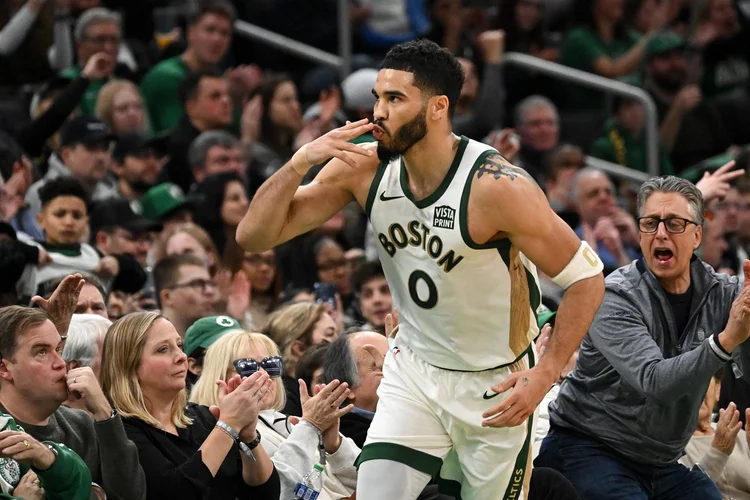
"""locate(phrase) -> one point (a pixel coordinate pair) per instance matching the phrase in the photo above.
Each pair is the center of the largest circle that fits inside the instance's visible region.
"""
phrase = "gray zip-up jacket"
(638, 382)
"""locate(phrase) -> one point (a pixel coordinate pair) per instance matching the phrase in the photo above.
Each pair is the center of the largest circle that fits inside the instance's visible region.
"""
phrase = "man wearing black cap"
(136, 161)
(85, 155)
(116, 229)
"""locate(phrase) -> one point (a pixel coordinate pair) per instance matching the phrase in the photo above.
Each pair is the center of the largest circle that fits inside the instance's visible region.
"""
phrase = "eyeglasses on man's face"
(673, 225)
(197, 284)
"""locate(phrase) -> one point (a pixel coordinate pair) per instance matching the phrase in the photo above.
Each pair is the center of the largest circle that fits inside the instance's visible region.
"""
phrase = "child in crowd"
(64, 220)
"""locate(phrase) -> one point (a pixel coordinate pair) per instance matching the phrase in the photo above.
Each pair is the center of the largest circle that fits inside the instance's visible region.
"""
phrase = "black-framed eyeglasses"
(198, 284)
(673, 225)
(273, 365)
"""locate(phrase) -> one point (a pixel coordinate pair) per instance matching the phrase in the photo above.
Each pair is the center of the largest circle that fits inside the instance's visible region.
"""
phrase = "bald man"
(607, 228)
(357, 358)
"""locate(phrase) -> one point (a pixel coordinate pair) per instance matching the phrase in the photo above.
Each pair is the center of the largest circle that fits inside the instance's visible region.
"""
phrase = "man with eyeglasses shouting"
(184, 290)
(667, 323)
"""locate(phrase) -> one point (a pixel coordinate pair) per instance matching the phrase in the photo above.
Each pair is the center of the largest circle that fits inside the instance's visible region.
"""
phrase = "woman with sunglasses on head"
(294, 449)
(187, 452)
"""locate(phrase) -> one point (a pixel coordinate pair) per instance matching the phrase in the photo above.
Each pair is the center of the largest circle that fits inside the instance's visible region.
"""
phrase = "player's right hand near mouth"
(334, 144)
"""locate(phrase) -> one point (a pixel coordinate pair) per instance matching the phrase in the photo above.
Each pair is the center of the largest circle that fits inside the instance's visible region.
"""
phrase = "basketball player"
(460, 234)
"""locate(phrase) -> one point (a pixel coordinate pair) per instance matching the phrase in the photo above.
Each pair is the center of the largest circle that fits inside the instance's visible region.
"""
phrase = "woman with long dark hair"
(223, 204)
(280, 124)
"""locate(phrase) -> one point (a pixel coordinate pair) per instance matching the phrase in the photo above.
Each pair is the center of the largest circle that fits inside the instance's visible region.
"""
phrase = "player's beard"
(405, 137)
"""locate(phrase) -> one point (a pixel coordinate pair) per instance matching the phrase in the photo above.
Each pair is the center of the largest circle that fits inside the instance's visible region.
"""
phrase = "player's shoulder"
(494, 172)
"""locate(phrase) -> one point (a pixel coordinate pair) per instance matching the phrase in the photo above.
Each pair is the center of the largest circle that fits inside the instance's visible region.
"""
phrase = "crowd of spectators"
(133, 136)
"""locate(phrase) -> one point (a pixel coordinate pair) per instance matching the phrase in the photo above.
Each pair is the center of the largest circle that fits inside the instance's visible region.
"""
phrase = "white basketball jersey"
(462, 306)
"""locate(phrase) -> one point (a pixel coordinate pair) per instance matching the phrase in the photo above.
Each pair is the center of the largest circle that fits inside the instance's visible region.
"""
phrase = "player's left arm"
(520, 212)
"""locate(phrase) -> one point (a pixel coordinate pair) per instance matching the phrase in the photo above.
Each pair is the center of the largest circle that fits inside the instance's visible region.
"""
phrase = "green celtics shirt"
(579, 50)
(67, 479)
(621, 147)
(161, 90)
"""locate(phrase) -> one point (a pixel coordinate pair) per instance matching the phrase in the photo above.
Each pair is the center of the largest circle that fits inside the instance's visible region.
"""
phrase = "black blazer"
(174, 469)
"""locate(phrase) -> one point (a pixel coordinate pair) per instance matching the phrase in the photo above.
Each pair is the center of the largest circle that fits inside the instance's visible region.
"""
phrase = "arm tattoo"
(498, 167)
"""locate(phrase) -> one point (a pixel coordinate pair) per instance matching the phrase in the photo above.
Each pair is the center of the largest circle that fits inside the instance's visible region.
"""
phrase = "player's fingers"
(353, 132)
(505, 419)
(350, 124)
(346, 159)
(352, 148)
(507, 383)
(501, 407)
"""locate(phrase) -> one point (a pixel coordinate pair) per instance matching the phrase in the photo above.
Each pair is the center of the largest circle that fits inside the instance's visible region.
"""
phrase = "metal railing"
(618, 171)
(342, 61)
(609, 86)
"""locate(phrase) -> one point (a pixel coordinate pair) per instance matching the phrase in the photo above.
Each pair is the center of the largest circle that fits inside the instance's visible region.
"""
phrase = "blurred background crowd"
(133, 135)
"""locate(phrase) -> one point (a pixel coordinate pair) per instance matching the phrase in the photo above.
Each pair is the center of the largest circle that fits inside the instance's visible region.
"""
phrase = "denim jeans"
(598, 473)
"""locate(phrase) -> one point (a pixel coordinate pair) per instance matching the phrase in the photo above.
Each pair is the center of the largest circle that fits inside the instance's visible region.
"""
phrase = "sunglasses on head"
(273, 365)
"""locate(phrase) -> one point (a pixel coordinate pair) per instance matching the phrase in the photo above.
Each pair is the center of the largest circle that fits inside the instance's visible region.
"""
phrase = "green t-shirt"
(161, 90)
(88, 101)
(620, 147)
(579, 50)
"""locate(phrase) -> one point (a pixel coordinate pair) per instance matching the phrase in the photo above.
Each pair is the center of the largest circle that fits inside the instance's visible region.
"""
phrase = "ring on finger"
(27, 444)
(74, 379)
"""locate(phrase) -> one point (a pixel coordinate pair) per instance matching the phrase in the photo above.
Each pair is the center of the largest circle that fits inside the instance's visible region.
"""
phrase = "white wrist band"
(584, 264)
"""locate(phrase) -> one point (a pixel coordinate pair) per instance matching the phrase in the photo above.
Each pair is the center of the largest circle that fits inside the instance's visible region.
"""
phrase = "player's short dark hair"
(217, 7)
(167, 271)
(436, 71)
(191, 84)
(62, 186)
(366, 272)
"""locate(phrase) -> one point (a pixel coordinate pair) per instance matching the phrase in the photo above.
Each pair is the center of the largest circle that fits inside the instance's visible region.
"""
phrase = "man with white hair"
(99, 30)
(538, 125)
(83, 347)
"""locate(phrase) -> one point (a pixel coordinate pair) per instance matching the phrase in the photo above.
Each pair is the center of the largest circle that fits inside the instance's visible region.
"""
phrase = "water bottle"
(310, 486)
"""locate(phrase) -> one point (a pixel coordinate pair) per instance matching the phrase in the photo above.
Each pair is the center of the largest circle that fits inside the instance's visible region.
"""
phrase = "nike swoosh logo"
(383, 197)
(485, 396)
